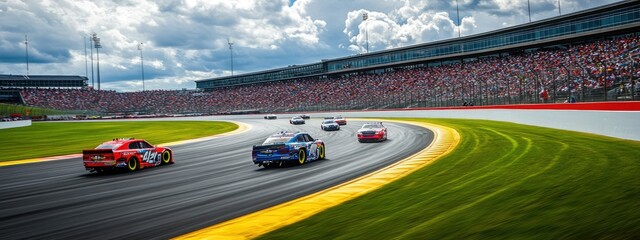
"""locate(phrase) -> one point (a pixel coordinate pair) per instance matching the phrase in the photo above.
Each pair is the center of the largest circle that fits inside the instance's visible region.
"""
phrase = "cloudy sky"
(186, 40)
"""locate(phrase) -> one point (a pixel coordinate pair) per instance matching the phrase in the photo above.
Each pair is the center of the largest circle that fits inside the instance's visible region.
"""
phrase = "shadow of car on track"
(293, 166)
(123, 172)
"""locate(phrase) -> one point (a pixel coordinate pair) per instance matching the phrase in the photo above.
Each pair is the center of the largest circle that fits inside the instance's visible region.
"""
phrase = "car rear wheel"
(132, 164)
(166, 157)
(302, 156)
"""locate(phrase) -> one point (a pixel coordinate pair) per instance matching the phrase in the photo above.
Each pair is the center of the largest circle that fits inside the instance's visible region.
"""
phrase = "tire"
(302, 156)
(133, 164)
(166, 157)
(321, 152)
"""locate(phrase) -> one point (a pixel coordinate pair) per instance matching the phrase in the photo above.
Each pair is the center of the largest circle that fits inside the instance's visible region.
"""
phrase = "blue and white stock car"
(281, 148)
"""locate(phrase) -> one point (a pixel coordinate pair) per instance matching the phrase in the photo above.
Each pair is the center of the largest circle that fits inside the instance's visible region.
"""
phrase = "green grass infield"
(44, 139)
(504, 181)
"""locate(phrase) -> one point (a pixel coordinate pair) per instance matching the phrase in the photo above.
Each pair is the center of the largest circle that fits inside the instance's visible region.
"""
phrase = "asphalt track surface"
(212, 181)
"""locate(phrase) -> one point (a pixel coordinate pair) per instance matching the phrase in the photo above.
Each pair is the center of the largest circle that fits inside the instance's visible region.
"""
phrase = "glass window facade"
(17, 81)
(266, 76)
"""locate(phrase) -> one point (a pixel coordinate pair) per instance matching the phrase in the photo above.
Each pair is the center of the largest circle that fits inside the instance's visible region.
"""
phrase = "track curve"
(212, 181)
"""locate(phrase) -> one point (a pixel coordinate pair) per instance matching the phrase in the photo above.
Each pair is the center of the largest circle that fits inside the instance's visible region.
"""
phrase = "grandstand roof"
(11, 81)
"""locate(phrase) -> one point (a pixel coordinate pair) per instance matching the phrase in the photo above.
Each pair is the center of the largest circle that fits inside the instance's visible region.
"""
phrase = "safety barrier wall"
(614, 120)
(15, 124)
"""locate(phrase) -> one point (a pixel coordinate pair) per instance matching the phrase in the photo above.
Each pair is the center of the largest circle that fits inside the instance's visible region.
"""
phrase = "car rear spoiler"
(265, 147)
(96, 151)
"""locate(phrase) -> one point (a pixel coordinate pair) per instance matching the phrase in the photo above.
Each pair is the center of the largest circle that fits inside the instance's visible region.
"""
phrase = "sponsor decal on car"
(150, 156)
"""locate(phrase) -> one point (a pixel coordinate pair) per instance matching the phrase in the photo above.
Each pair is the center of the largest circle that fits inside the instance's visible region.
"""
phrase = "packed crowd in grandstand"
(547, 75)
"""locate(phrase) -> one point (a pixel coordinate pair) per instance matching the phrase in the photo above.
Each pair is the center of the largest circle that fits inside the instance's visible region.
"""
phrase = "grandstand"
(617, 19)
(591, 55)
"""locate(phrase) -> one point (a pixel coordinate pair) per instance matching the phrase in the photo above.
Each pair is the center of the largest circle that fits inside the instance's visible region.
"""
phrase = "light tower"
(141, 64)
(97, 45)
(365, 16)
(458, 13)
(86, 66)
(26, 50)
(230, 53)
(93, 82)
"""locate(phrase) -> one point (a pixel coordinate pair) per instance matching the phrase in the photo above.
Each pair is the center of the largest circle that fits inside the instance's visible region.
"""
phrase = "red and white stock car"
(372, 132)
(129, 154)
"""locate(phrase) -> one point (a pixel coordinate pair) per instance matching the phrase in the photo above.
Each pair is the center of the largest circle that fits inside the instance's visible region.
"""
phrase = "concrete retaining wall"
(15, 124)
(619, 124)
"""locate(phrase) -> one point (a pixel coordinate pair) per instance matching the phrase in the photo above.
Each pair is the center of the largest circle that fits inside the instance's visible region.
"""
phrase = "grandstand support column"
(631, 80)
(604, 82)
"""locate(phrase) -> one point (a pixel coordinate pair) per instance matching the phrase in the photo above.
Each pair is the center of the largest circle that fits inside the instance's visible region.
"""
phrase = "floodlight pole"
(559, 9)
(230, 53)
(86, 66)
(529, 6)
(365, 16)
(458, 13)
(141, 64)
(93, 83)
(97, 45)
(26, 49)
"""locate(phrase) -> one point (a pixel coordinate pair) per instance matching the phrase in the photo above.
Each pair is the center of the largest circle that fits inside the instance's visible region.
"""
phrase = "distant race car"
(286, 147)
(340, 120)
(296, 120)
(329, 125)
(129, 154)
(372, 132)
(271, 117)
(304, 116)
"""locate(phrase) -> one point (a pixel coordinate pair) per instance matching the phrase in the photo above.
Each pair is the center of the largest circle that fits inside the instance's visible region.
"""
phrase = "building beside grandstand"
(618, 19)
(9, 84)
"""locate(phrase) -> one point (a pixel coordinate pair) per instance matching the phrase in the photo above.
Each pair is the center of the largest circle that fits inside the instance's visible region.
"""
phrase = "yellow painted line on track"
(264, 221)
(242, 127)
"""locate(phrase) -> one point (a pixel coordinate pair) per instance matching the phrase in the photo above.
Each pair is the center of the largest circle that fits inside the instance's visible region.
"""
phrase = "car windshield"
(297, 118)
(328, 122)
(276, 140)
(112, 146)
(338, 118)
(371, 126)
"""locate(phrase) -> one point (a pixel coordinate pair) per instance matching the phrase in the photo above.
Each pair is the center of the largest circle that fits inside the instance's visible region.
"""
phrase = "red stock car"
(129, 154)
(340, 120)
(372, 132)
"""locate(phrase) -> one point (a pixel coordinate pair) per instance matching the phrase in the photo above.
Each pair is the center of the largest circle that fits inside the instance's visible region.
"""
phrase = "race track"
(212, 181)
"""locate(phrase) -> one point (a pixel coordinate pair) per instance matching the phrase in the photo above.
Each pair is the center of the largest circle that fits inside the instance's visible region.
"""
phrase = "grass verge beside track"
(504, 180)
(44, 139)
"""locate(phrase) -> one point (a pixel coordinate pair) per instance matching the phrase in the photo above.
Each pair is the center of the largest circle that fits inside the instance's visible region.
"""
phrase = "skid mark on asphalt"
(261, 222)
(242, 127)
